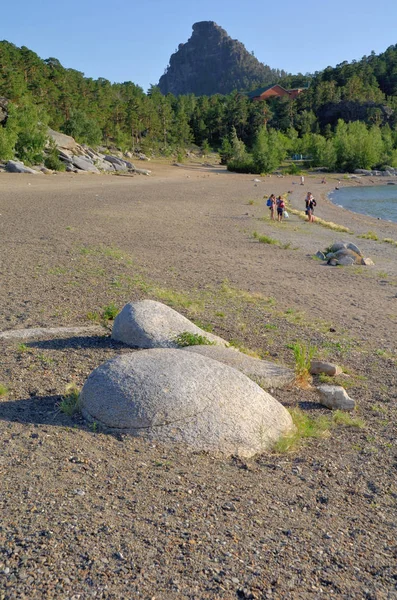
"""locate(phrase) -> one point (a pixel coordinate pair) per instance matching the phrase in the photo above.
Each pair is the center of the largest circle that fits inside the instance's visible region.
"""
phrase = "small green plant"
(265, 239)
(70, 403)
(305, 427)
(3, 390)
(93, 316)
(251, 202)
(192, 339)
(343, 418)
(110, 312)
(23, 348)
(303, 355)
(370, 235)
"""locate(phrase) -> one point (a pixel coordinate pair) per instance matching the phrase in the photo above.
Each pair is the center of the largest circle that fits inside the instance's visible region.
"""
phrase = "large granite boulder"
(62, 140)
(151, 324)
(182, 398)
(267, 374)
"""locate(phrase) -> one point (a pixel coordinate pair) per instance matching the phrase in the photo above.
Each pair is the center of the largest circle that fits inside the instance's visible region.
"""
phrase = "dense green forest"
(347, 118)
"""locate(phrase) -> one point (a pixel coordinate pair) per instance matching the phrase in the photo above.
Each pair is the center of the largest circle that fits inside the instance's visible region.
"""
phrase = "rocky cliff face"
(210, 62)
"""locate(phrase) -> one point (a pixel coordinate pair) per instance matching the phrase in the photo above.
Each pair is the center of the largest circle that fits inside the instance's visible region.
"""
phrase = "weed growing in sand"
(370, 235)
(3, 390)
(110, 312)
(251, 202)
(303, 354)
(265, 239)
(327, 224)
(220, 314)
(343, 418)
(70, 403)
(23, 348)
(305, 427)
(382, 274)
(192, 339)
(390, 241)
(93, 316)
(270, 326)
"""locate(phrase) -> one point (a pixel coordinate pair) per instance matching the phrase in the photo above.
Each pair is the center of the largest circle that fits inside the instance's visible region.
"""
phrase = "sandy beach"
(85, 514)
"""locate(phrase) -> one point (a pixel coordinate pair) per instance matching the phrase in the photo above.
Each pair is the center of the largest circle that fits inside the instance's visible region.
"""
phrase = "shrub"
(192, 339)
(70, 403)
(303, 355)
(110, 312)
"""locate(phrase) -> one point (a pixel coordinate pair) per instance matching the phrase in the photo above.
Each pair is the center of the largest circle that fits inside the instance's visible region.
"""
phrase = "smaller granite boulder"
(335, 397)
(13, 166)
(346, 261)
(151, 324)
(368, 262)
(354, 248)
(266, 374)
(337, 246)
(84, 164)
(320, 366)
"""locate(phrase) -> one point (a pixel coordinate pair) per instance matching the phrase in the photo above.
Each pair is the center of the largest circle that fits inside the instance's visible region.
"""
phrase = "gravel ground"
(85, 514)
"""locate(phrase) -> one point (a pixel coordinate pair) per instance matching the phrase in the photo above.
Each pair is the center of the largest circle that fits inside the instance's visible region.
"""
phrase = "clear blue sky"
(132, 41)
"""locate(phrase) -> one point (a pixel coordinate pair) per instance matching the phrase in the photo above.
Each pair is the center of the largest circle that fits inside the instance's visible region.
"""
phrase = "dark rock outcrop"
(3, 111)
(369, 112)
(211, 62)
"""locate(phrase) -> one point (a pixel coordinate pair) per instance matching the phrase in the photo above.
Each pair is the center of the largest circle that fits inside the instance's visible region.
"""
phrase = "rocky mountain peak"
(211, 62)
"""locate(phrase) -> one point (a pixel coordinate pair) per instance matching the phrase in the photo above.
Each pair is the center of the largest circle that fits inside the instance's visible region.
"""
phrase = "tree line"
(346, 119)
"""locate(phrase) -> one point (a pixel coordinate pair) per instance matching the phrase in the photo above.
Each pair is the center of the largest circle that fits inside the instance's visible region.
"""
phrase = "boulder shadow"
(38, 410)
(77, 342)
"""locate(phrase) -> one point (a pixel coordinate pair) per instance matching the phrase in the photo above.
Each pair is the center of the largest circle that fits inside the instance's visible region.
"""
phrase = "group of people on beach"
(276, 205)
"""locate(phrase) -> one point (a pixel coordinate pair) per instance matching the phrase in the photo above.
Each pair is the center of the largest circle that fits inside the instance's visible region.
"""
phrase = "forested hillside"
(345, 119)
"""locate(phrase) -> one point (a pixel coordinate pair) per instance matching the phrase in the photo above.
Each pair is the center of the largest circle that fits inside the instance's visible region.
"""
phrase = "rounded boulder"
(151, 324)
(183, 398)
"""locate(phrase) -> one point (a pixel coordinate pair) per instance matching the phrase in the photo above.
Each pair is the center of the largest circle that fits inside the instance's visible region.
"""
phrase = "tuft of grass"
(370, 235)
(23, 348)
(303, 355)
(3, 390)
(305, 427)
(94, 316)
(265, 239)
(251, 202)
(110, 312)
(390, 241)
(192, 339)
(70, 403)
(343, 418)
(327, 224)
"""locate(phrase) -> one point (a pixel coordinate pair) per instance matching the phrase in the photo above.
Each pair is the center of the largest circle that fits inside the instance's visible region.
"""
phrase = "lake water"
(378, 201)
